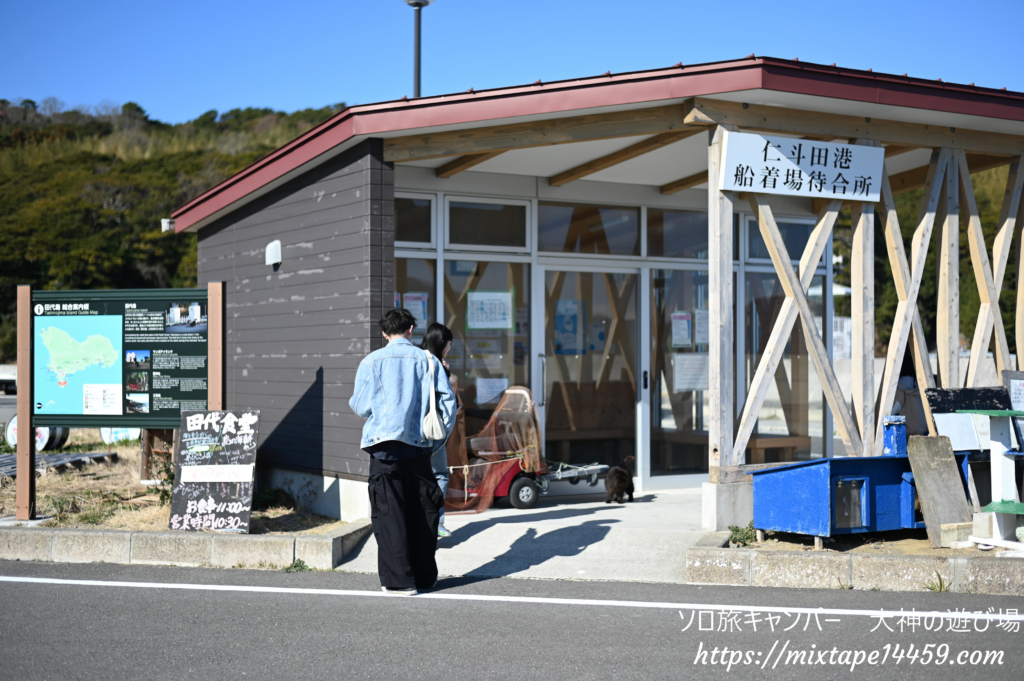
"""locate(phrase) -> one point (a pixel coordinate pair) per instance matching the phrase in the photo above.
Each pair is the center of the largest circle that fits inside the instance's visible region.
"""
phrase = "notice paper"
(490, 389)
(682, 330)
(417, 304)
(570, 322)
(702, 327)
(689, 372)
(489, 310)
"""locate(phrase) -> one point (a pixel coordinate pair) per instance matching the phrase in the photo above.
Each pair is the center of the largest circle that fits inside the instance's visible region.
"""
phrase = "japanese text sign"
(798, 167)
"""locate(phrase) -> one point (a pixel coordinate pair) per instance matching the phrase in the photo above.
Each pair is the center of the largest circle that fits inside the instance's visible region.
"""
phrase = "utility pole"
(418, 5)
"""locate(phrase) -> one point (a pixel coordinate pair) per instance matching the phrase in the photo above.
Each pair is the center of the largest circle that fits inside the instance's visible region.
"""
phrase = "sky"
(181, 59)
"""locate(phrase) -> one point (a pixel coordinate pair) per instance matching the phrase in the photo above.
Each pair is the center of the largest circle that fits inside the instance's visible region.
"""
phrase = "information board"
(213, 477)
(132, 358)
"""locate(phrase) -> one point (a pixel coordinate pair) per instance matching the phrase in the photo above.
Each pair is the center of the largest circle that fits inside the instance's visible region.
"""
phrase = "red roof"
(568, 96)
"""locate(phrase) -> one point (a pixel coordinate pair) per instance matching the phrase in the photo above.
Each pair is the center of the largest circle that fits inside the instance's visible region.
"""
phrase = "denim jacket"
(391, 393)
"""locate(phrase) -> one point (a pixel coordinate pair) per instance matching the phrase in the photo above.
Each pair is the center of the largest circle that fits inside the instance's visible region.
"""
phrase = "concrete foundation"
(339, 498)
(725, 505)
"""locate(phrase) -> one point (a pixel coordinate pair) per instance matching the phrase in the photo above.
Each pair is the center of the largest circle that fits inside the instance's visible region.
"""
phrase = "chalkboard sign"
(213, 477)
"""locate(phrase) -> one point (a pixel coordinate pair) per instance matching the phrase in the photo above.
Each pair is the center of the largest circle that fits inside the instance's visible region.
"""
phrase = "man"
(391, 391)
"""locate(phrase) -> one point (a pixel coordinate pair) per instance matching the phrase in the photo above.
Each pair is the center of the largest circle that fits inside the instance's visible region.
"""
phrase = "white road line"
(992, 616)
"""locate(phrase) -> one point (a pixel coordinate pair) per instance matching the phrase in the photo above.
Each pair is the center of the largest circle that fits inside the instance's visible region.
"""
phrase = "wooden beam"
(25, 488)
(685, 183)
(862, 310)
(897, 149)
(702, 111)
(631, 152)
(720, 291)
(947, 313)
(465, 163)
(631, 123)
(215, 337)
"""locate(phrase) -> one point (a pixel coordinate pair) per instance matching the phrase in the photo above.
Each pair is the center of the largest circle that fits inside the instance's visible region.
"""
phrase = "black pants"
(404, 504)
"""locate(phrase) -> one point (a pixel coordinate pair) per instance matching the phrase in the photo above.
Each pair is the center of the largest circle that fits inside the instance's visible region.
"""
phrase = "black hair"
(397, 321)
(436, 338)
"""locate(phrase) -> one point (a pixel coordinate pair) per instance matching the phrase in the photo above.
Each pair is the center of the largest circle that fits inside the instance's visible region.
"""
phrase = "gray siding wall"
(295, 336)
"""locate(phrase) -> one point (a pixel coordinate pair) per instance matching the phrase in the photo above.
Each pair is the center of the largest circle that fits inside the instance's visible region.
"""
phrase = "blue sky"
(183, 58)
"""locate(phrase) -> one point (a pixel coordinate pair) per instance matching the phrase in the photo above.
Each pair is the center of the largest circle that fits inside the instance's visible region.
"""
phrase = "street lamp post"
(417, 5)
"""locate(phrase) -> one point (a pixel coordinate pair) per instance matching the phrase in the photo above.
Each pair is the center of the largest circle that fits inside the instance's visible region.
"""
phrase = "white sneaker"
(399, 592)
(443, 531)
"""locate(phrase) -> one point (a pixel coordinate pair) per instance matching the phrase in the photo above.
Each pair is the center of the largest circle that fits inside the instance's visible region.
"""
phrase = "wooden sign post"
(25, 501)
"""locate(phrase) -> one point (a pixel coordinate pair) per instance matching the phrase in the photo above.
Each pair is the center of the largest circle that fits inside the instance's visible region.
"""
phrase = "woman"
(438, 341)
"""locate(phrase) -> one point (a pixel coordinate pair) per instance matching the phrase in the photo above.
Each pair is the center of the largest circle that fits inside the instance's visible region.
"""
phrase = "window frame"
(418, 245)
(526, 204)
(642, 232)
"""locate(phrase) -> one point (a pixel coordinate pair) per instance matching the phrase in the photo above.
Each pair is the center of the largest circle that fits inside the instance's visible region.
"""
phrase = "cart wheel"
(574, 481)
(523, 493)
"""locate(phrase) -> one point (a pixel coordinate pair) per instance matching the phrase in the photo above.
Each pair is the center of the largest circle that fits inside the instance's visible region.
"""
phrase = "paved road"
(232, 624)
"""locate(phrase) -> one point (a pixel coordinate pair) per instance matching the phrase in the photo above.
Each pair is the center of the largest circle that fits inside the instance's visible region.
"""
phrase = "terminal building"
(572, 237)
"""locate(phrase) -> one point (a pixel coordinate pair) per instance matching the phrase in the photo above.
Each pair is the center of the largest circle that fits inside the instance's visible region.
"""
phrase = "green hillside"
(82, 192)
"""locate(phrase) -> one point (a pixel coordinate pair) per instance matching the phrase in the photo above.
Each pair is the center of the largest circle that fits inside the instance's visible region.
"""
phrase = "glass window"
(789, 426)
(487, 307)
(413, 220)
(680, 333)
(586, 228)
(677, 234)
(415, 290)
(473, 223)
(591, 335)
(794, 234)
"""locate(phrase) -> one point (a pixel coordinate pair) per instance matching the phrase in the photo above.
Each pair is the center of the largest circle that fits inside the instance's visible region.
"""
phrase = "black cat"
(619, 482)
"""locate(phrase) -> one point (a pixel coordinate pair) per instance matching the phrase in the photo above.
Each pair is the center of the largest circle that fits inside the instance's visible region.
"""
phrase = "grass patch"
(743, 536)
(298, 565)
(937, 585)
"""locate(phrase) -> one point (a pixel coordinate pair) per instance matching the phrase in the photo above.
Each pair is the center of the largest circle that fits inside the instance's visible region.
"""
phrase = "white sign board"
(489, 310)
(690, 371)
(702, 327)
(796, 167)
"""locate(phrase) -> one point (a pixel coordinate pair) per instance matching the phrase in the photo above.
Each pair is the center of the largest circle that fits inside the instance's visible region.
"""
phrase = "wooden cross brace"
(990, 279)
(908, 284)
(795, 305)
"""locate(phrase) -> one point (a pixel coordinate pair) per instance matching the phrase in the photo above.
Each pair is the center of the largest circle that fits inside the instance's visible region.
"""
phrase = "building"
(562, 231)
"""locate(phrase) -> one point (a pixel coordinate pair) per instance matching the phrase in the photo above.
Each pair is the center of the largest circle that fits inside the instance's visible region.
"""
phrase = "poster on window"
(800, 167)
(690, 372)
(417, 304)
(682, 330)
(570, 325)
(701, 327)
(490, 310)
(490, 389)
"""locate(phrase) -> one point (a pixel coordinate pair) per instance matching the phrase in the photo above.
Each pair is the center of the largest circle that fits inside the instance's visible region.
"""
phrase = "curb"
(826, 570)
(182, 549)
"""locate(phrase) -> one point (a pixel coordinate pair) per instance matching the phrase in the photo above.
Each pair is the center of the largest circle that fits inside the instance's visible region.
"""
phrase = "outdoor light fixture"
(417, 5)
(166, 225)
(274, 253)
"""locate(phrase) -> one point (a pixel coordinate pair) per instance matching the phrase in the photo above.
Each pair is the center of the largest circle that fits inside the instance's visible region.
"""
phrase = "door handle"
(543, 380)
(645, 380)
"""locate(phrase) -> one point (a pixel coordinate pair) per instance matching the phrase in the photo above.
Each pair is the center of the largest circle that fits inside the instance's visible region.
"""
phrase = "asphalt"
(182, 623)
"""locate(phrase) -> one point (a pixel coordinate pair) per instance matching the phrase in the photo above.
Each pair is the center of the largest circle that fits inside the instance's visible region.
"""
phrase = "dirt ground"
(902, 542)
(108, 495)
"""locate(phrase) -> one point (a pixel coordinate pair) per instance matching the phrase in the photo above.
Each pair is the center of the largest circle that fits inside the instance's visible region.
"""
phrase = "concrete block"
(1004, 577)
(326, 551)
(725, 505)
(340, 498)
(898, 573)
(91, 546)
(714, 540)
(172, 548)
(983, 525)
(718, 566)
(246, 550)
(796, 569)
(951, 533)
(1004, 526)
(23, 543)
